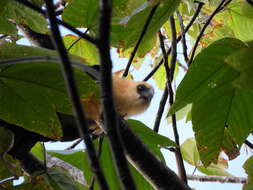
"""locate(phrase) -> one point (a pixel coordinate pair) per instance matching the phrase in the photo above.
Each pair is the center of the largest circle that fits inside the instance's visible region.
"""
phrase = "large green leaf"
(216, 103)
(87, 51)
(84, 13)
(126, 16)
(125, 34)
(32, 93)
(22, 14)
(248, 167)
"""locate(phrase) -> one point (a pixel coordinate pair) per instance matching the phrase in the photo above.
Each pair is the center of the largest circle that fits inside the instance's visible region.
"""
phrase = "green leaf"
(82, 13)
(190, 152)
(181, 114)
(60, 179)
(6, 140)
(148, 136)
(214, 169)
(229, 146)
(7, 27)
(241, 25)
(247, 10)
(216, 103)
(78, 159)
(242, 62)
(32, 93)
(87, 51)
(191, 155)
(125, 34)
(248, 167)
(38, 151)
(22, 14)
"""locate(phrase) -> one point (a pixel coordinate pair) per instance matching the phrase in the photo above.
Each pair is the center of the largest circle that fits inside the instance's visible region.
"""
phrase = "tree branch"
(74, 95)
(179, 158)
(200, 5)
(160, 176)
(218, 8)
(22, 60)
(109, 112)
(221, 179)
(183, 36)
(152, 12)
(165, 93)
(249, 144)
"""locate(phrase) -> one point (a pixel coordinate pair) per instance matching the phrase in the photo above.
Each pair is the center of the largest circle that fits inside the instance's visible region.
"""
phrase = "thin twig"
(143, 32)
(249, 144)
(160, 110)
(74, 96)
(109, 113)
(183, 36)
(77, 40)
(221, 179)
(179, 158)
(66, 25)
(200, 5)
(8, 179)
(165, 93)
(204, 28)
(74, 144)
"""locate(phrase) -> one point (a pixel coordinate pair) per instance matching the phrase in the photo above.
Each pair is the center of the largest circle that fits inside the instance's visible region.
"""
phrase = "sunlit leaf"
(191, 155)
(248, 167)
(83, 49)
(240, 24)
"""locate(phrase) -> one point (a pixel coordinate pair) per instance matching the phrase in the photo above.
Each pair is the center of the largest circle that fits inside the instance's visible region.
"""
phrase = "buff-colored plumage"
(128, 100)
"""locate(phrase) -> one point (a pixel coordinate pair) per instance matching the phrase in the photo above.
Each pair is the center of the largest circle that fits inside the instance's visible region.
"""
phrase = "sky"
(184, 129)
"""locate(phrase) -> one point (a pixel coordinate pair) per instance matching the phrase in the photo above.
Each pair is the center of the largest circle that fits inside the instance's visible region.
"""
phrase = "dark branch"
(200, 5)
(179, 158)
(160, 176)
(161, 110)
(66, 25)
(249, 144)
(218, 8)
(165, 93)
(182, 28)
(144, 30)
(109, 112)
(74, 95)
(77, 40)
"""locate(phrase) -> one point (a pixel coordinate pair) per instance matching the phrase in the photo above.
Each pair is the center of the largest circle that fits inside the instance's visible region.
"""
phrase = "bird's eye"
(141, 87)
